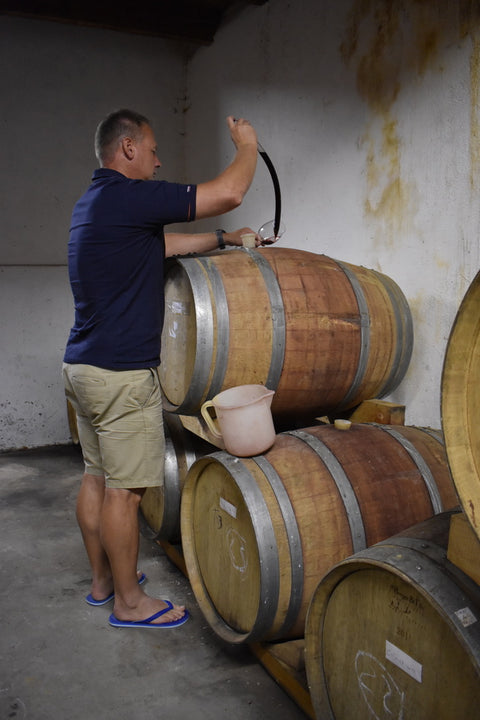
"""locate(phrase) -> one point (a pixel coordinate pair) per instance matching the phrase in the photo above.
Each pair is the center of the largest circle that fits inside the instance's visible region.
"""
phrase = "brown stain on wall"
(370, 42)
(386, 40)
(389, 43)
(389, 198)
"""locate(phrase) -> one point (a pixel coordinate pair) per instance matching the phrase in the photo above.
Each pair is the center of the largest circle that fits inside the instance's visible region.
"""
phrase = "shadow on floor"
(59, 657)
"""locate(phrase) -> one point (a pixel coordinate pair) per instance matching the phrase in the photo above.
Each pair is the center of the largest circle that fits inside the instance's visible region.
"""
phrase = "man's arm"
(228, 189)
(186, 243)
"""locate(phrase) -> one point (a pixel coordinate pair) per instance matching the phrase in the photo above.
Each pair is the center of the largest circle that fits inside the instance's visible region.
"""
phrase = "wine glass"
(267, 232)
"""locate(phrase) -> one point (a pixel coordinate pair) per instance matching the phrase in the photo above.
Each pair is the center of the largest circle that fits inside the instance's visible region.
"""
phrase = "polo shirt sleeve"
(162, 203)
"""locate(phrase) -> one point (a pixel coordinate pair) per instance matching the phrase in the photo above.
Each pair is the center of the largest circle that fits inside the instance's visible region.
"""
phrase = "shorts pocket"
(143, 390)
(89, 393)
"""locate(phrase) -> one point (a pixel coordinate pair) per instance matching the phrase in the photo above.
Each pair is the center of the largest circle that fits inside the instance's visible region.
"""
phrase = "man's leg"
(90, 502)
(89, 510)
(119, 536)
(126, 442)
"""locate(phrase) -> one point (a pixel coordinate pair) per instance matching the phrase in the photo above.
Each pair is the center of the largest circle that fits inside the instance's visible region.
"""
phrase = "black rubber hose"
(276, 187)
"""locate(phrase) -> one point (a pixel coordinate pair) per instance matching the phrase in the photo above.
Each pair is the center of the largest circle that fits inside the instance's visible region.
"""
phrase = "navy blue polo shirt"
(116, 257)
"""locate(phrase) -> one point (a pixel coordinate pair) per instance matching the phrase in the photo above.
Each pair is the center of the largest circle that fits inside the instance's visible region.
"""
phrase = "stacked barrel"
(323, 334)
(394, 630)
(259, 533)
(262, 535)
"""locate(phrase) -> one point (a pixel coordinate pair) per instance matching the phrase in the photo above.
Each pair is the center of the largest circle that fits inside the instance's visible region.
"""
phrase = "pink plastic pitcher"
(243, 419)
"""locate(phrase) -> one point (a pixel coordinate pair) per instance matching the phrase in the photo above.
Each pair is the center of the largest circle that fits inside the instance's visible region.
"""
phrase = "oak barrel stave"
(460, 403)
(394, 632)
(259, 533)
(266, 317)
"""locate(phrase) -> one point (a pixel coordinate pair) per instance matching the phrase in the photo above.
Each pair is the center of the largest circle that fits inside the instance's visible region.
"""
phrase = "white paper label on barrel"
(466, 616)
(403, 661)
(178, 308)
(228, 507)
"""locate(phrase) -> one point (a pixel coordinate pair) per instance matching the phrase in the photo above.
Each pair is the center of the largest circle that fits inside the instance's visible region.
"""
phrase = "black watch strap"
(220, 234)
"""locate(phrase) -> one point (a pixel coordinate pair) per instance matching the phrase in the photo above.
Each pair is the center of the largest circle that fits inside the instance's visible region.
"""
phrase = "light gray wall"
(36, 313)
(57, 83)
(370, 113)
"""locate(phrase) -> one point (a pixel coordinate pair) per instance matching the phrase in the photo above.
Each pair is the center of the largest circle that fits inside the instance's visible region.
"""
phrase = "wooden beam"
(379, 411)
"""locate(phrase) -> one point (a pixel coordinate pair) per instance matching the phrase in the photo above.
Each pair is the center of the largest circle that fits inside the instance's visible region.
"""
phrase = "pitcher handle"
(212, 424)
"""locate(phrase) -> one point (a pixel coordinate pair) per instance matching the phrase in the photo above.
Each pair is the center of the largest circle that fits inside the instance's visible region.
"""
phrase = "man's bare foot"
(147, 607)
(102, 589)
(153, 621)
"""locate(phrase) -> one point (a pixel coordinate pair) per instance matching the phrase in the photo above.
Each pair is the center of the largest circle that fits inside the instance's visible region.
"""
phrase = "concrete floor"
(60, 659)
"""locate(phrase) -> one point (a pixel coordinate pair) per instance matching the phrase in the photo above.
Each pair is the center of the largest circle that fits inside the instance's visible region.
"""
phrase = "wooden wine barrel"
(394, 632)
(461, 403)
(160, 506)
(259, 533)
(324, 334)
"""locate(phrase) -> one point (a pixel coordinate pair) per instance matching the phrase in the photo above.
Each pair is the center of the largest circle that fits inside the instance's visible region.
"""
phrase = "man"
(116, 253)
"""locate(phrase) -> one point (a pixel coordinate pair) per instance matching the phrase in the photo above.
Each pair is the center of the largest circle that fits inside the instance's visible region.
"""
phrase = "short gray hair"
(116, 126)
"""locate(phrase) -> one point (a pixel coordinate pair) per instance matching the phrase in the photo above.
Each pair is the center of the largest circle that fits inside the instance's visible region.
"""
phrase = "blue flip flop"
(147, 623)
(97, 603)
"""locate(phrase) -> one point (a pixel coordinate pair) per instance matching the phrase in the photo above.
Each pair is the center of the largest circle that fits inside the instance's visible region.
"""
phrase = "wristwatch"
(220, 234)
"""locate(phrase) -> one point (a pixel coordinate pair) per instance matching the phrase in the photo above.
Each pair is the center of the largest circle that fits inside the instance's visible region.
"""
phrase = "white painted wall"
(370, 114)
(36, 313)
(57, 82)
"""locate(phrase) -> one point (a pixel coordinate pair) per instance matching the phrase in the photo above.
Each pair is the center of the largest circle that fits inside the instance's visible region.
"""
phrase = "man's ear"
(128, 148)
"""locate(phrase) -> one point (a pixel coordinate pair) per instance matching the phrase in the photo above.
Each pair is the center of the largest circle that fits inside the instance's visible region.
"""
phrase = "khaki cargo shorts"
(120, 423)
